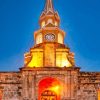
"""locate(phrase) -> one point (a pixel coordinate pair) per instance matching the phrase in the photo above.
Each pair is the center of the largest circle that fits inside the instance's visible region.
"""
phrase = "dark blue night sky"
(80, 19)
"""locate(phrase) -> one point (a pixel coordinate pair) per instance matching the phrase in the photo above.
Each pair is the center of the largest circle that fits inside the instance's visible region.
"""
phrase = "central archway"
(49, 89)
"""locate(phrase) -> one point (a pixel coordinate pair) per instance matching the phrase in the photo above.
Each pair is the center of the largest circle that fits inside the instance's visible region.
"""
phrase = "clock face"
(50, 37)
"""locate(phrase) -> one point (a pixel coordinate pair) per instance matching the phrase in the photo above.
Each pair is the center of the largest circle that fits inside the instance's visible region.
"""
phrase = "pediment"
(43, 14)
(50, 25)
(50, 12)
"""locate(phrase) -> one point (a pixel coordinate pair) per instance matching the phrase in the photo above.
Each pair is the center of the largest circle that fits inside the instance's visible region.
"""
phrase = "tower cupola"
(49, 15)
(49, 49)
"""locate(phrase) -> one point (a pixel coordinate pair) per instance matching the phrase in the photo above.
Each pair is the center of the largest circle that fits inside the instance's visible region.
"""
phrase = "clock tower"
(49, 71)
(49, 49)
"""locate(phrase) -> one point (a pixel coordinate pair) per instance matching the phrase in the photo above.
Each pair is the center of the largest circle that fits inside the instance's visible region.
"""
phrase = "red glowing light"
(50, 84)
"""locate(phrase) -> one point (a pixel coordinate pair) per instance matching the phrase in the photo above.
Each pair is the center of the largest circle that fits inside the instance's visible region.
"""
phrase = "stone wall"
(88, 85)
(32, 77)
(10, 85)
(23, 85)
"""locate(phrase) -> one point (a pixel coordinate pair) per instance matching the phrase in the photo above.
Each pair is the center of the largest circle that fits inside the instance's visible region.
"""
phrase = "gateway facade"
(49, 71)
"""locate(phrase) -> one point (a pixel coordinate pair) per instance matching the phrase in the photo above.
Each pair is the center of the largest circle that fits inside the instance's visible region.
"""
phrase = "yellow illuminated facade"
(49, 49)
(62, 59)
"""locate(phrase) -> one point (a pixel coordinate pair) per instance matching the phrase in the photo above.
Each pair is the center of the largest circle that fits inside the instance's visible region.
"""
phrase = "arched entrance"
(49, 89)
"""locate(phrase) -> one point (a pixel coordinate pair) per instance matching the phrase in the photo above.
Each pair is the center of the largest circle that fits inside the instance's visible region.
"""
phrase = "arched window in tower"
(50, 21)
(56, 23)
(43, 24)
(39, 38)
(60, 38)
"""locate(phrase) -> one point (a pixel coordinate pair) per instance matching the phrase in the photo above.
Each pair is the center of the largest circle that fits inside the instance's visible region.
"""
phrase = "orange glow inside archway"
(51, 84)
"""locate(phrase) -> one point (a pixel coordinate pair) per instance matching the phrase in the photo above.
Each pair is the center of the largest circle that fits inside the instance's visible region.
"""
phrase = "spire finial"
(49, 6)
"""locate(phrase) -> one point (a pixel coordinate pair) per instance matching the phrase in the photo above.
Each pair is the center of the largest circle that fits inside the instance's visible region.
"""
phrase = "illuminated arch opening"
(49, 89)
(50, 21)
(43, 24)
(39, 38)
(60, 38)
